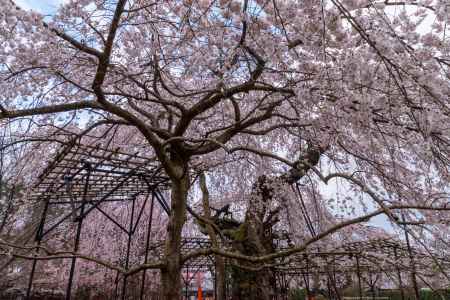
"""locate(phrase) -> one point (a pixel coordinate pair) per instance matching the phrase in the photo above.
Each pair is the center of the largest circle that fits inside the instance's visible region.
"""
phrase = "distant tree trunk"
(253, 285)
(250, 281)
(254, 238)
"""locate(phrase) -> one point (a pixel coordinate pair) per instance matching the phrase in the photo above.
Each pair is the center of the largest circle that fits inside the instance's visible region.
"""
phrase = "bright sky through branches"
(42, 6)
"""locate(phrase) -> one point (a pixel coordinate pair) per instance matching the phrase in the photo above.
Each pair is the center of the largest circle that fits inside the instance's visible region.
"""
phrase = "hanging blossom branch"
(387, 210)
(11, 250)
(320, 236)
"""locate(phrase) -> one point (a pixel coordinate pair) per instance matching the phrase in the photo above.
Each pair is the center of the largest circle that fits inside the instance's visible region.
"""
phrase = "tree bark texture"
(171, 274)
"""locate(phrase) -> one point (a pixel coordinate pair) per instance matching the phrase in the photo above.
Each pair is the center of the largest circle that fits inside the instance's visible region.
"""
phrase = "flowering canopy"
(257, 93)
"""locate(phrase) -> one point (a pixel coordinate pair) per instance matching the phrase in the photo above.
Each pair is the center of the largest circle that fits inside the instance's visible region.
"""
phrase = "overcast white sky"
(42, 6)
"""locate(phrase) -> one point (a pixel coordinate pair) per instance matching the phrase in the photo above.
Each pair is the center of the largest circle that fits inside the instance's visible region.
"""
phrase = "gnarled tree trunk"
(254, 237)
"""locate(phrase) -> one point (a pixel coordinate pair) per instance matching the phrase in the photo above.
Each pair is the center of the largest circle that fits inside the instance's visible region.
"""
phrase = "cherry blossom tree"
(260, 95)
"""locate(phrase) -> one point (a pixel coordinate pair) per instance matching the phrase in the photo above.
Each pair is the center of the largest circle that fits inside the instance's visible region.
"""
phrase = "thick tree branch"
(50, 255)
(105, 56)
(214, 98)
(57, 108)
